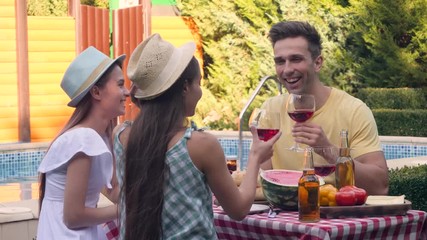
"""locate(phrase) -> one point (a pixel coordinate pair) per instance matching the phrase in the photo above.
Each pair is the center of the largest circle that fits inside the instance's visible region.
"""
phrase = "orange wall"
(8, 73)
(51, 48)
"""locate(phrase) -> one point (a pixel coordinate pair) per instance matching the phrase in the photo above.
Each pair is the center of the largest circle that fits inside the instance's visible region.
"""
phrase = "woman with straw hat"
(171, 170)
(79, 163)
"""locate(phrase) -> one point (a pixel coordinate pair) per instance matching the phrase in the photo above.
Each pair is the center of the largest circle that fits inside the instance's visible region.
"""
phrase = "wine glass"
(231, 163)
(266, 122)
(324, 159)
(300, 108)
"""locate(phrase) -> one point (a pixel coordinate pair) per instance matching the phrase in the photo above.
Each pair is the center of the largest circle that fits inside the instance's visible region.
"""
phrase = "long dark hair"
(145, 168)
(80, 113)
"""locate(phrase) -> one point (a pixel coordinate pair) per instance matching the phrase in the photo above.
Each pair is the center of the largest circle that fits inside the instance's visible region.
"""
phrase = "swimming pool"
(19, 162)
(393, 147)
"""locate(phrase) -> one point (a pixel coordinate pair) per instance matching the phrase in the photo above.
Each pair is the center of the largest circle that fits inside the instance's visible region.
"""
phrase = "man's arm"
(371, 173)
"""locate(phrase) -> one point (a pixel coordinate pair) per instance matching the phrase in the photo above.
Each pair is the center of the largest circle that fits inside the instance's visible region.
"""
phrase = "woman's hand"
(262, 150)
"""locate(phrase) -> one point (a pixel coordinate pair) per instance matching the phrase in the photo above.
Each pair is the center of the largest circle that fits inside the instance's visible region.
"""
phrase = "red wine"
(232, 165)
(266, 133)
(301, 115)
(324, 170)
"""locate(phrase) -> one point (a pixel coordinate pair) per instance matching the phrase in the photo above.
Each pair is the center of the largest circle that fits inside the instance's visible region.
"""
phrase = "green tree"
(234, 36)
(47, 7)
(96, 3)
(58, 7)
(389, 42)
(237, 52)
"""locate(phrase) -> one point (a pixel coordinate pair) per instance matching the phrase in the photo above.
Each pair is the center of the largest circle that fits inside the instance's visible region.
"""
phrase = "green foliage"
(234, 34)
(58, 7)
(388, 42)
(237, 52)
(47, 7)
(394, 106)
(396, 122)
(96, 3)
(212, 113)
(411, 182)
(393, 98)
(366, 43)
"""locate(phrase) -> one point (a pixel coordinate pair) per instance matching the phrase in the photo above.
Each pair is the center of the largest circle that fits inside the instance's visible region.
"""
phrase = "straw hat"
(155, 65)
(85, 70)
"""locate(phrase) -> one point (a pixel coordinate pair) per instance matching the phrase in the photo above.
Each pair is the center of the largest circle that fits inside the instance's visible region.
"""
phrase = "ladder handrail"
(242, 112)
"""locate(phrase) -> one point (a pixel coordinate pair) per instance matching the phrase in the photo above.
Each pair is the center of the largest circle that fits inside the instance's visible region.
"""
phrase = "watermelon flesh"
(280, 188)
(283, 177)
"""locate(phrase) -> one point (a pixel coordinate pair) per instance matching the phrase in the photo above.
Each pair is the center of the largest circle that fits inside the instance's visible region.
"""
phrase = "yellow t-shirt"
(341, 111)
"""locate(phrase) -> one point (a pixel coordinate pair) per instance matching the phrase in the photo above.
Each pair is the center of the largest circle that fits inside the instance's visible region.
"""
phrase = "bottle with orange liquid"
(344, 171)
(308, 191)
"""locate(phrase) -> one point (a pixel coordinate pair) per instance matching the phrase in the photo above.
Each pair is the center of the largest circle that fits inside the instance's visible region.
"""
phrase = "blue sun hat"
(85, 70)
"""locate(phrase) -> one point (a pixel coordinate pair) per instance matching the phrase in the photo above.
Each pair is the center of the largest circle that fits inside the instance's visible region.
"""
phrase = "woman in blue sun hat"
(79, 163)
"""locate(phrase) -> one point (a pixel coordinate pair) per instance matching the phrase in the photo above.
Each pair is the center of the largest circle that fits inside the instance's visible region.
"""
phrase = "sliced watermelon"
(280, 187)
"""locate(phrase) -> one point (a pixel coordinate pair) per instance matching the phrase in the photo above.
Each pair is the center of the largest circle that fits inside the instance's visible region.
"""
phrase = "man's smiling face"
(295, 66)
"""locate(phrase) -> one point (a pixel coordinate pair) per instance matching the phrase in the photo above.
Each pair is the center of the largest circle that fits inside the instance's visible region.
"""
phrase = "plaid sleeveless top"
(187, 209)
(119, 151)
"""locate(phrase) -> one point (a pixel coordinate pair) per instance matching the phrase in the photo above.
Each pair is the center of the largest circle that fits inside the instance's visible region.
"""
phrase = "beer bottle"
(344, 173)
(308, 191)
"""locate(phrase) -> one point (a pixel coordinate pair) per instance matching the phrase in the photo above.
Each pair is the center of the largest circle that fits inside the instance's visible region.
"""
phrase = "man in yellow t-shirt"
(298, 60)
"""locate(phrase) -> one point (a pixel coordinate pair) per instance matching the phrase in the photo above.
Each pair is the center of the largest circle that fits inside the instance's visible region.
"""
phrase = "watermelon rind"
(283, 196)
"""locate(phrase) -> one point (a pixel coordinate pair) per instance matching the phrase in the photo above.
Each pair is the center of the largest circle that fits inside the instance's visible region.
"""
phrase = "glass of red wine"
(266, 122)
(324, 159)
(300, 108)
(231, 163)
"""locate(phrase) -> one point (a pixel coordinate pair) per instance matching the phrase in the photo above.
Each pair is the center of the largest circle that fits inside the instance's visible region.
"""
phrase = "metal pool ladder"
(242, 112)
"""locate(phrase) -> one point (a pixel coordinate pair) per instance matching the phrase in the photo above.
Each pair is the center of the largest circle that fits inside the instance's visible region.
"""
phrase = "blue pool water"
(19, 164)
(24, 164)
(391, 151)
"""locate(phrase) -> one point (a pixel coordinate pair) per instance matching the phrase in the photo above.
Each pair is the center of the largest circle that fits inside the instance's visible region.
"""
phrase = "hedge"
(394, 98)
(411, 182)
(393, 122)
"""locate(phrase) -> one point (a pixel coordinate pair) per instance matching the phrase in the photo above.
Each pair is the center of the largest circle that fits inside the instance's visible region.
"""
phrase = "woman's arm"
(208, 156)
(113, 194)
(76, 214)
